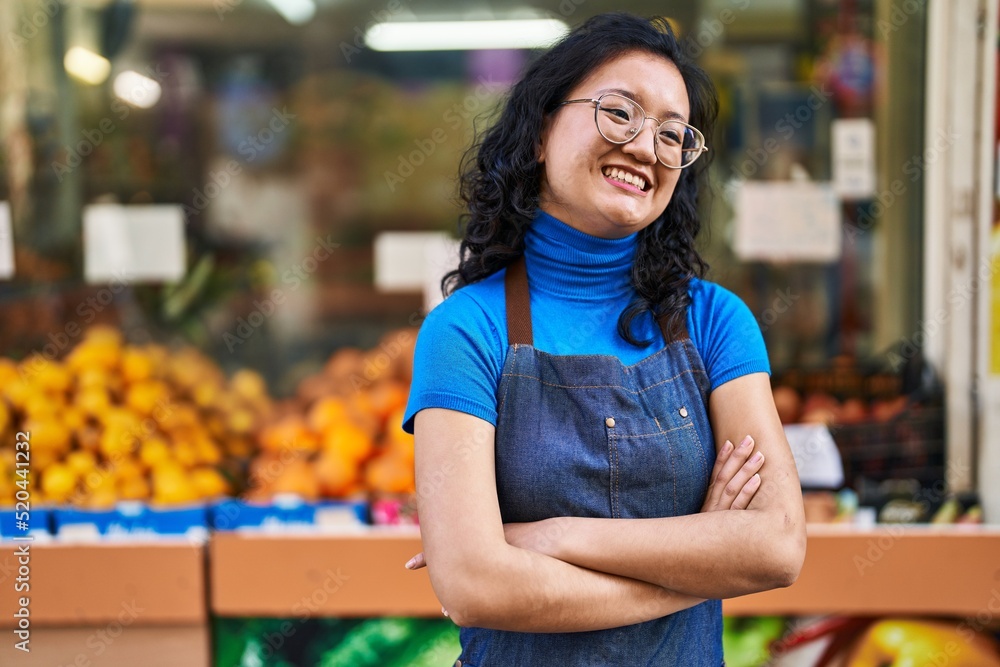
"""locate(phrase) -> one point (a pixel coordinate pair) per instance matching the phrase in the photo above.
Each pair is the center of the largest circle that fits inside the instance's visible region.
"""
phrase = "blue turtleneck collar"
(567, 262)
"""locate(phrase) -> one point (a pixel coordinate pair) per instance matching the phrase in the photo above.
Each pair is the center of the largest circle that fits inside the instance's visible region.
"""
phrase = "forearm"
(525, 591)
(708, 555)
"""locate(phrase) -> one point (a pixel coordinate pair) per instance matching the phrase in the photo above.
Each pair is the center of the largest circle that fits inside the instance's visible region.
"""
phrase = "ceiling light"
(296, 12)
(86, 65)
(464, 35)
(136, 89)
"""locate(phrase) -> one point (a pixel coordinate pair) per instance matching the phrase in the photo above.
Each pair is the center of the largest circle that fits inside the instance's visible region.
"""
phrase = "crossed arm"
(572, 574)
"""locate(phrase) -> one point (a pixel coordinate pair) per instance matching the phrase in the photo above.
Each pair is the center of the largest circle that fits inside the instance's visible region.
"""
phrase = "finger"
(730, 467)
(740, 479)
(712, 495)
(445, 611)
(721, 458)
(746, 495)
(416, 562)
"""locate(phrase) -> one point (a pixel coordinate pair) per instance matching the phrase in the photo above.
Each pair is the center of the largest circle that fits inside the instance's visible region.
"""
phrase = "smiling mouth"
(623, 176)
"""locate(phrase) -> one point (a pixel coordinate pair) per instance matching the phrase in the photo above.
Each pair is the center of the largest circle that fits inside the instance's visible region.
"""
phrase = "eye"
(617, 113)
(670, 136)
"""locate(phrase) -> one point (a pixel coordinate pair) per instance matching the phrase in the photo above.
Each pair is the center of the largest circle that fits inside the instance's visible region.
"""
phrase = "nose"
(643, 145)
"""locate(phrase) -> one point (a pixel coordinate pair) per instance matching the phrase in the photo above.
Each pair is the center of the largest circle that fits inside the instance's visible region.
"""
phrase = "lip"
(628, 187)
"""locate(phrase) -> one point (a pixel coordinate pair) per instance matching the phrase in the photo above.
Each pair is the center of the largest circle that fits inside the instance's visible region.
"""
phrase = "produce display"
(341, 435)
(823, 408)
(113, 421)
(331, 642)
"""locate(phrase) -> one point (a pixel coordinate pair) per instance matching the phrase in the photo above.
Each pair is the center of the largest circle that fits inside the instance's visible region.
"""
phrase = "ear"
(543, 138)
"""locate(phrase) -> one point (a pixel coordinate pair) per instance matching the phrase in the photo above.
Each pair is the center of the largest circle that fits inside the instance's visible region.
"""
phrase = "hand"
(734, 479)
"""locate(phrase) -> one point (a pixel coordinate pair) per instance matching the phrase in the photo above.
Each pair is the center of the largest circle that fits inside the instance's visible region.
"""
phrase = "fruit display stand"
(952, 571)
(109, 603)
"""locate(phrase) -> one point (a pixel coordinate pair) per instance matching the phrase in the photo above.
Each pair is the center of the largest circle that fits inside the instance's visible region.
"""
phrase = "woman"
(573, 398)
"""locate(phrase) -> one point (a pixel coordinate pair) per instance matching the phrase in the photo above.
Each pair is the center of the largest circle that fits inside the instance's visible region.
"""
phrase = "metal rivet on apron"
(610, 422)
(684, 412)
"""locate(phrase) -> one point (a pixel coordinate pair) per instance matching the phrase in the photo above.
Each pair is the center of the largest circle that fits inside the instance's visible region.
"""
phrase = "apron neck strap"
(519, 310)
(518, 304)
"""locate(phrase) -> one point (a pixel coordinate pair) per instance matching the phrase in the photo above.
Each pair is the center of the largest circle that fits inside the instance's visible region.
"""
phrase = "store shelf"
(116, 604)
(143, 583)
(322, 575)
(885, 570)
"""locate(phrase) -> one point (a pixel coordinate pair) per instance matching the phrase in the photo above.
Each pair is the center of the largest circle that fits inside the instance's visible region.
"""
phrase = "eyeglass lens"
(619, 120)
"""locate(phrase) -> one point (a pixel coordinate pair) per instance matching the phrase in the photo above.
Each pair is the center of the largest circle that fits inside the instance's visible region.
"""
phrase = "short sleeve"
(457, 361)
(726, 334)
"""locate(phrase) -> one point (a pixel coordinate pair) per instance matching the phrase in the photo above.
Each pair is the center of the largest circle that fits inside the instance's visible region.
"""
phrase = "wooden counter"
(885, 570)
(114, 604)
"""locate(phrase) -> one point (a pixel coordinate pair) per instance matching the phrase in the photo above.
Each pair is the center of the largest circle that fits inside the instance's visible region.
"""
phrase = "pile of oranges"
(114, 421)
(341, 436)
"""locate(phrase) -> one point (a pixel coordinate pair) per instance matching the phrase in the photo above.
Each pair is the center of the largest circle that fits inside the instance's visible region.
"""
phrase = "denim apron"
(585, 435)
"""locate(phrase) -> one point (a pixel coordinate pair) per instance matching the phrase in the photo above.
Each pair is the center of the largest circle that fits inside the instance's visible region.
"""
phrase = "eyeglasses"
(619, 120)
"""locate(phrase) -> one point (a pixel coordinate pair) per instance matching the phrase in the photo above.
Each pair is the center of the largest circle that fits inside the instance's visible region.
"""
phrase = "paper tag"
(853, 153)
(817, 458)
(6, 242)
(401, 259)
(133, 244)
(787, 221)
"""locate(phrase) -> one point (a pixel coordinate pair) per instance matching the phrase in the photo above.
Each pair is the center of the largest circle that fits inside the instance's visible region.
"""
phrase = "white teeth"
(625, 177)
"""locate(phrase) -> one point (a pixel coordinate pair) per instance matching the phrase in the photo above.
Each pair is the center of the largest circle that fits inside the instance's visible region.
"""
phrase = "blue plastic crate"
(287, 512)
(39, 522)
(130, 519)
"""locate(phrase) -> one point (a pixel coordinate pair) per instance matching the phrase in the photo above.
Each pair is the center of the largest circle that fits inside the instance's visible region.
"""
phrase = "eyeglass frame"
(597, 106)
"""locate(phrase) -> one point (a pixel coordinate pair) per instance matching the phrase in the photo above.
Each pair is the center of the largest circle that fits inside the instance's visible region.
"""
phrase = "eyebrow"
(669, 115)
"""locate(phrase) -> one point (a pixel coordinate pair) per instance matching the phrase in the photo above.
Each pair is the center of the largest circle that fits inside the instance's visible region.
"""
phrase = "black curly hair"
(500, 174)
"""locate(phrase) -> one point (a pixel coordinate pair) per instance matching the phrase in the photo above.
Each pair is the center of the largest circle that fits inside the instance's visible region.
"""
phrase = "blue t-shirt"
(579, 284)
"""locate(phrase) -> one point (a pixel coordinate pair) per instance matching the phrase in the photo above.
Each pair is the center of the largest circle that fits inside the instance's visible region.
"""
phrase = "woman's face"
(576, 160)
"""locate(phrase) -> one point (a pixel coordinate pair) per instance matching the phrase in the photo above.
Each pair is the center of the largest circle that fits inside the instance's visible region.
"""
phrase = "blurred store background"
(223, 221)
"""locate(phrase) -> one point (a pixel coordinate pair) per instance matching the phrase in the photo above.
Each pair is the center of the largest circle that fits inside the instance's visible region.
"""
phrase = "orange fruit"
(349, 441)
(298, 477)
(289, 433)
(209, 482)
(47, 433)
(144, 396)
(386, 398)
(240, 421)
(186, 453)
(90, 354)
(58, 482)
(103, 333)
(93, 401)
(129, 468)
(51, 376)
(72, 417)
(336, 473)
(8, 371)
(137, 364)
(154, 450)
(117, 440)
(389, 473)
(248, 384)
(326, 413)
(171, 485)
(5, 418)
(18, 391)
(133, 488)
(81, 462)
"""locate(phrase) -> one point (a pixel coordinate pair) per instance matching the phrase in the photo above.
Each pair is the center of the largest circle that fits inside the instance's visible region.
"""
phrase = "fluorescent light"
(295, 12)
(464, 35)
(136, 89)
(86, 65)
